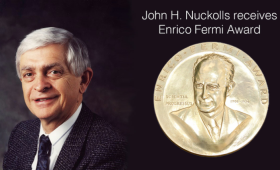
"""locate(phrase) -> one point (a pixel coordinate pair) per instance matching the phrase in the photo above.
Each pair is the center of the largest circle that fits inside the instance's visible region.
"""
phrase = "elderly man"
(209, 119)
(54, 69)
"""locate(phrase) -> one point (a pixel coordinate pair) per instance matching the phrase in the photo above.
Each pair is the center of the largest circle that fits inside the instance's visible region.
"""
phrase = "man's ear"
(230, 88)
(85, 79)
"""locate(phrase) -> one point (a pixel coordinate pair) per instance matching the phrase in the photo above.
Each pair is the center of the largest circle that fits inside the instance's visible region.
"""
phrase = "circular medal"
(211, 99)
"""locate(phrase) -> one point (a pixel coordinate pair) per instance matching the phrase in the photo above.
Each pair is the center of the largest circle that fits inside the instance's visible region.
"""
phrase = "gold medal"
(211, 99)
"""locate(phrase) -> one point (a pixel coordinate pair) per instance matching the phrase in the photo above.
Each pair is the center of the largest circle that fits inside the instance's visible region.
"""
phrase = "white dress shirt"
(57, 138)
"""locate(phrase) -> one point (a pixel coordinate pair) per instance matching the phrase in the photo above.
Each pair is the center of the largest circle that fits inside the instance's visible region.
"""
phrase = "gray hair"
(76, 55)
(229, 67)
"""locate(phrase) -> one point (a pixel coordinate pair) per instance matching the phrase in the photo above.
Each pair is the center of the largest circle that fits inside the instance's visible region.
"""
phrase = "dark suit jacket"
(92, 144)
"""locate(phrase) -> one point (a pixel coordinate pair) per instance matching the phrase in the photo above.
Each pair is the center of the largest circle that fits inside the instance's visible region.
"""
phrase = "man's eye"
(199, 86)
(27, 75)
(54, 72)
(212, 87)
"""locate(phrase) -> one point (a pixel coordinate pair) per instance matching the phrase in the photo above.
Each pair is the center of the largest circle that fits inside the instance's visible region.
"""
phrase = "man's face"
(210, 85)
(50, 90)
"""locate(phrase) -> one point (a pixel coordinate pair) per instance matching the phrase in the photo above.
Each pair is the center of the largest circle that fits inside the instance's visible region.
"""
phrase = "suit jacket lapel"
(230, 123)
(29, 142)
(73, 145)
(196, 122)
(190, 123)
(224, 128)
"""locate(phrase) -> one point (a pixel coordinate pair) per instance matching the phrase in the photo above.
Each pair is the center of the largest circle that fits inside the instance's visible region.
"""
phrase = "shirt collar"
(61, 130)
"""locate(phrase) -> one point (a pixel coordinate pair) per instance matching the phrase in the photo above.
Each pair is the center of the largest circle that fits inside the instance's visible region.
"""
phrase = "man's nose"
(41, 83)
(204, 92)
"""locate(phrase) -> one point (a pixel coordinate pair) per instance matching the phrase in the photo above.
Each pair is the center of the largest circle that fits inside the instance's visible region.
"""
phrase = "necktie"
(44, 153)
(214, 129)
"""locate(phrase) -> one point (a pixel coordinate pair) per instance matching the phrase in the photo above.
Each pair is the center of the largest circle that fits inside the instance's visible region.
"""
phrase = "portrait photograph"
(66, 72)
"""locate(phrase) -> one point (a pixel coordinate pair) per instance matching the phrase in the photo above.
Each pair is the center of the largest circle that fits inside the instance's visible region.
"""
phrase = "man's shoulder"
(103, 144)
(26, 128)
(28, 124)
(102, 131)
(22, 145)
(184, 112)
(238, 115)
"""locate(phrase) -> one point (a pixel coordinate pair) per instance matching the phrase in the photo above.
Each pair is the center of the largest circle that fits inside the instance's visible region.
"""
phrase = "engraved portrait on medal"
(211, 99)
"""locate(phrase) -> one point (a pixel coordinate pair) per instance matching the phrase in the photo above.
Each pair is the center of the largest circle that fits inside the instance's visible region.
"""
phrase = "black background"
(129, 55)
(150, 147)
